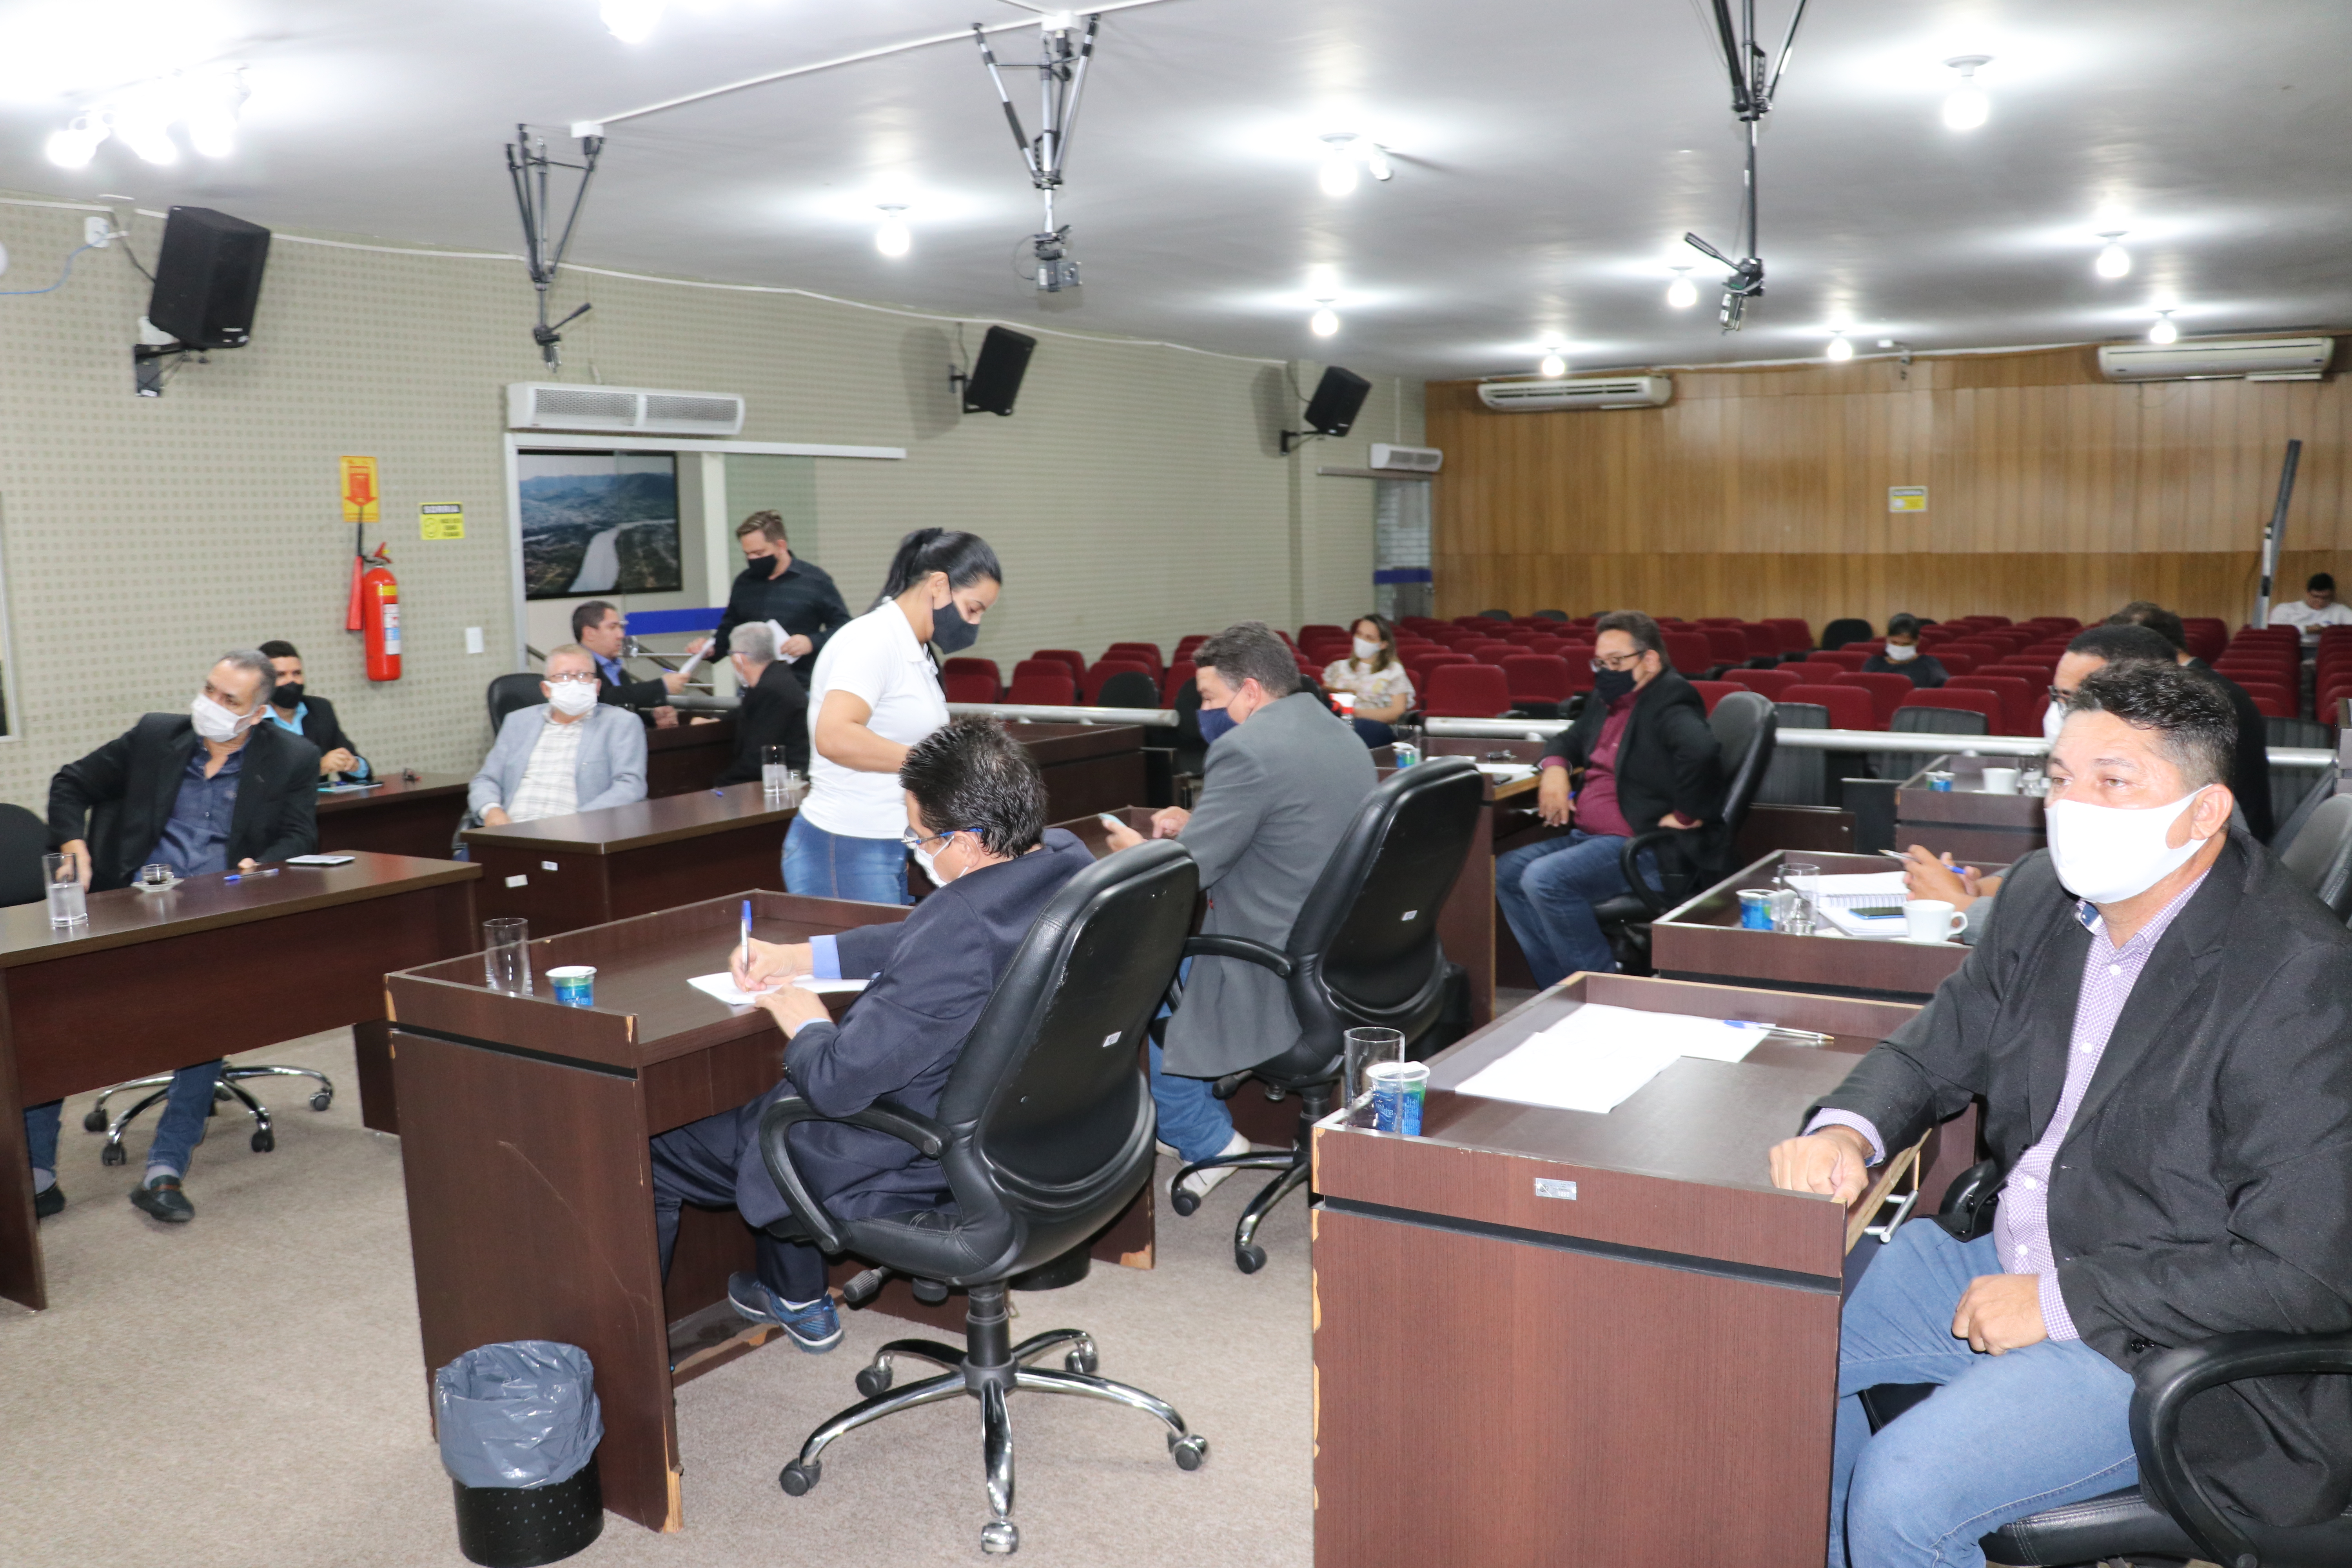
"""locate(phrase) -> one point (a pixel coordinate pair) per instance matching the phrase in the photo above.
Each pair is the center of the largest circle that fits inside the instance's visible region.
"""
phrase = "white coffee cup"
(1931, 919)
(2000, 780)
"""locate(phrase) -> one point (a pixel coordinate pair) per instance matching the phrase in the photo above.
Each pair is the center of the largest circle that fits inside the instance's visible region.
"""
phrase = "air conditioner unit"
(622, 410)
(2254, 359)
(1407, 459)
(1590, 391)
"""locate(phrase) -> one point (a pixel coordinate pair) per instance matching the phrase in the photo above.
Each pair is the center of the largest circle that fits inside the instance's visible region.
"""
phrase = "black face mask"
(288, 695)
(1611, 684)
(951, 632)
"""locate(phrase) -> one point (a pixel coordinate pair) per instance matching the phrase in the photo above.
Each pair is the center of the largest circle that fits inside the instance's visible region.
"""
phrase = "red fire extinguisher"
(380, 617)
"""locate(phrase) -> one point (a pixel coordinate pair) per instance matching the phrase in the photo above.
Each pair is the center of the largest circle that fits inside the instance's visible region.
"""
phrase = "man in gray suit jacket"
(564, 755)
(1277, 793)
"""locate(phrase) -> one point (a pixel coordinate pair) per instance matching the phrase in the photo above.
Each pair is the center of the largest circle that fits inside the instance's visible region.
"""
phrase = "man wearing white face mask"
(213, 788)
(2158, 1023)
(565, 755)
(1902, 655)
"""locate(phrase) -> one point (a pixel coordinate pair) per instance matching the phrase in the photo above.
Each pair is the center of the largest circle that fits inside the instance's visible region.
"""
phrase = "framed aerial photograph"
(598, 523)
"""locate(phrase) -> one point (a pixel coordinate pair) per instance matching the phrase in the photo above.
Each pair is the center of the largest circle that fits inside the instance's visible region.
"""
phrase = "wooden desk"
(1971, 825)
(416, 817)
(1087, 767)
(688, 757)
(127, 995)
(1642, 1374)
(528, 1176)
(1702, 939)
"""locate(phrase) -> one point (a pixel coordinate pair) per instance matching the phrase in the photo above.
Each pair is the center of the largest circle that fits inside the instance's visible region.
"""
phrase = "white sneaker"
(1201, 1183)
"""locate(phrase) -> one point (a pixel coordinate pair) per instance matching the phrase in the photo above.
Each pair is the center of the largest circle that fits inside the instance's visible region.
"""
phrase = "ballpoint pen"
(747, 938)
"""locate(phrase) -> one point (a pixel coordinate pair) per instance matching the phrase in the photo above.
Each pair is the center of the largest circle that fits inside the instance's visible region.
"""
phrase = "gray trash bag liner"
(523, 1413)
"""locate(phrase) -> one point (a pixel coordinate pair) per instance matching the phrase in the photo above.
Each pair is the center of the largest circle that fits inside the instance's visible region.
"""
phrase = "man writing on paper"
(2160, 1023)
(976, 821)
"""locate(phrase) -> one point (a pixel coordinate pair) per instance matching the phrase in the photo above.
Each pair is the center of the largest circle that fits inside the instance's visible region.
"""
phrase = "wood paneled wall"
(1763, 491)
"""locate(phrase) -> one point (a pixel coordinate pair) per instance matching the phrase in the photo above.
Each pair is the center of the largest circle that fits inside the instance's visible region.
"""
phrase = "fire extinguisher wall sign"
(380, 617)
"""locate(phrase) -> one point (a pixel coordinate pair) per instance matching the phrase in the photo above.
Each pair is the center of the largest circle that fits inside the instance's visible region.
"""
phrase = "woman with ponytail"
(874, 694)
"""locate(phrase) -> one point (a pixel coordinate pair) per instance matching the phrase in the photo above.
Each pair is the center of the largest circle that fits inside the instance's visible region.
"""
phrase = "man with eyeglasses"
(1639, 756)
(567, 754)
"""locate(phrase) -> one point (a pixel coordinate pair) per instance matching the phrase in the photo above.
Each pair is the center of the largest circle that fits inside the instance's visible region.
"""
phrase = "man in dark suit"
(777, 585)
(292, 706)
(216, 787)
(774, 710)
(604, 631)
(976, 810)
(2250, 774)
(2157, 1022)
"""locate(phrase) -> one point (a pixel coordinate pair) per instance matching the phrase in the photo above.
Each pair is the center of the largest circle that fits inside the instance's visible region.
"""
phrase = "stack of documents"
(1597, 1057)
(723, 988)
(1837, 897)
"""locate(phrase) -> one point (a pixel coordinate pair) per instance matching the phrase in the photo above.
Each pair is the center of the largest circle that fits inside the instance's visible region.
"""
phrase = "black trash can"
(518, 1427)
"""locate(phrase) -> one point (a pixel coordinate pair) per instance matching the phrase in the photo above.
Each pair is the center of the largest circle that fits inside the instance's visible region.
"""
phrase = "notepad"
(723, 988)
(1598, 1057)
(1837, 897)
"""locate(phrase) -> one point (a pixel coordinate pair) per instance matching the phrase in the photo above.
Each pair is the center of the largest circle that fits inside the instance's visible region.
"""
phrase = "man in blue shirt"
(199, 790)
(604, 631)
(313, 717)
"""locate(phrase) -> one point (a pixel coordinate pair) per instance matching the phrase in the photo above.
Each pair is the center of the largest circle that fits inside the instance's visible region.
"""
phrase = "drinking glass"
(61, 874)
(776, 773)
(1803, 878)
(1366, 1049)
(506, 955)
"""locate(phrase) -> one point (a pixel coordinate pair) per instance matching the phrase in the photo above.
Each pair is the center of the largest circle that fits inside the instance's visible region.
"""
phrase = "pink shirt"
(1597, 810)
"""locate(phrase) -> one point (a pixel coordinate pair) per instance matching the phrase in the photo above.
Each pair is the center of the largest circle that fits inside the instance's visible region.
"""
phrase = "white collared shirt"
(876, 658)
(551, 780)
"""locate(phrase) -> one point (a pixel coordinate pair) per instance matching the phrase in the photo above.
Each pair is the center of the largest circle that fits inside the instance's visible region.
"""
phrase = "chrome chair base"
(226, 1086)
(1296, 1163)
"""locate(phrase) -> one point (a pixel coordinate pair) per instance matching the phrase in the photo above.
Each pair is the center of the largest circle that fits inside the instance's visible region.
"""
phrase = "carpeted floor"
(247, 1389)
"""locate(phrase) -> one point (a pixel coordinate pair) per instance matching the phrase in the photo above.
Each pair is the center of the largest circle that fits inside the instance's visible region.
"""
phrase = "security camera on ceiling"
(1060, 79)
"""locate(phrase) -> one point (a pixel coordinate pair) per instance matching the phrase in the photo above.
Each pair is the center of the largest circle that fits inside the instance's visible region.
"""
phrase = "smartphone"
(1879, 911)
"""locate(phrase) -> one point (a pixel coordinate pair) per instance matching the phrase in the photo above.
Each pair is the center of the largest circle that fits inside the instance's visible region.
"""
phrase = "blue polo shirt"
(196, 839)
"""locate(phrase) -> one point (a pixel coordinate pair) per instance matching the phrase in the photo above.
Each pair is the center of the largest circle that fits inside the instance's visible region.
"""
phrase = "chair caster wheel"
(1191, 1453)
(1249, 1258)
(1082, 1362)
(94, 1122)
(324, 1099)
(998, 1537)
(220, 1096)
(113, 1154)
(264, 1142)
(874, 1380)
(930, 1292)
(796, 1478)
(1184, 1201)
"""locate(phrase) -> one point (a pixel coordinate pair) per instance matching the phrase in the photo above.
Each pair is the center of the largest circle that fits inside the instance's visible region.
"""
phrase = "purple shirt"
(2021, 1226)
(1597, 810)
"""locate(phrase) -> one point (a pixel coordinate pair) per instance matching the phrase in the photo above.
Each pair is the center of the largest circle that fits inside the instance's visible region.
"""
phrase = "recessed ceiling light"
(1682, 293)
(630, 21)
(1551, 367)
(2164, 331)
(1325, 321)
(1338, 177)
(2115, 261)
(1840, 349)
(892, 239)
(1967, 107)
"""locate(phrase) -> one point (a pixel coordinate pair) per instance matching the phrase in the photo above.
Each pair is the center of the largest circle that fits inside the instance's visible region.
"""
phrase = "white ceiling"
(1549, 154)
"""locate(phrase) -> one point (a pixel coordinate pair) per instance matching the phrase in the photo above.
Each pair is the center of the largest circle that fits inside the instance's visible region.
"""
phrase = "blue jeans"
(2003, 1436)
(1193, 1121)
(177, 1132)
(821, 865)
(1548, 892)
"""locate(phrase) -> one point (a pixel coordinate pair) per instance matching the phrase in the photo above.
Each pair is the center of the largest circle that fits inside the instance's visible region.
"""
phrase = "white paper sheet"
(1598, 1057)
(723, 988)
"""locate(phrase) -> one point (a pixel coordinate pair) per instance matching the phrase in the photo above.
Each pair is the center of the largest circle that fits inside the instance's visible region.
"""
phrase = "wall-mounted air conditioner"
(1588, 392)
(2253, 359)
(1407, 459)
(622, 410)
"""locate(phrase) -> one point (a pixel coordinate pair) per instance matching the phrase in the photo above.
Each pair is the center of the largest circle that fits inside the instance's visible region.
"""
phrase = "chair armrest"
(907, 1126)
(2168, 1380)
(1256, 953)
(1629, 862)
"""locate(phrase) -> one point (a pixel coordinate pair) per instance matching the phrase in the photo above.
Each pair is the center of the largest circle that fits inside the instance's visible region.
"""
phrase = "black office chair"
(1363, 953)
(1924, 721)
(2290, 823)
(1799, 776)
(1839, 633)
(1745, 725)
(1551, 614)
(1495, 614)
(1189, 758)
(2320, 857)
(1129, 689)
(2290, 787)
(509, 692)
(24, 840)
(1043, 1135)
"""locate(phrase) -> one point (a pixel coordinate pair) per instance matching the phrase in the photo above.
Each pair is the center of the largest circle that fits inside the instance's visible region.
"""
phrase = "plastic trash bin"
(518, 1427)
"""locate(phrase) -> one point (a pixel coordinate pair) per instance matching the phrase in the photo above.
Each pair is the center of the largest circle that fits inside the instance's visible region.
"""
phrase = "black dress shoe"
(163, 1198)
(45, 1203)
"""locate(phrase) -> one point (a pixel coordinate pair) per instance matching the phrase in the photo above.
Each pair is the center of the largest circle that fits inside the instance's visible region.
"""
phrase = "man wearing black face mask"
(798, 595)
(1647, 759)
(294, 707)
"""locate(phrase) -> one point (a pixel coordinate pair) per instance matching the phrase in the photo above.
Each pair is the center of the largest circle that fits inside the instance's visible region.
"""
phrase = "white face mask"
(217, 724)
(572, 697)
(2107, 854)
(1900, 653)
(1366, 650)
(928, 861)
(2053, 718)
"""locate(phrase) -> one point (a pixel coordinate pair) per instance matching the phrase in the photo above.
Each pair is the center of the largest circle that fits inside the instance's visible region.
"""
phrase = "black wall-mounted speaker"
(1338, 398)
(995, 378)
(208, 278)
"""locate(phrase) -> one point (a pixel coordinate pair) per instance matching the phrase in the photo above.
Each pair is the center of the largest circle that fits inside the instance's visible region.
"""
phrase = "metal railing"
(1050, 713)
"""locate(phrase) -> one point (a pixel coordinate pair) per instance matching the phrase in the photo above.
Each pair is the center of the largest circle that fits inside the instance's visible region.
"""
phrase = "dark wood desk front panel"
(1703, 940)
(1965, 821)
(688, 757)
(399, 817)
(1086, 767)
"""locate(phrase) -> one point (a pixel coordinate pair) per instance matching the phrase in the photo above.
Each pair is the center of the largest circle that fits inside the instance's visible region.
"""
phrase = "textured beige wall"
(1137, 492)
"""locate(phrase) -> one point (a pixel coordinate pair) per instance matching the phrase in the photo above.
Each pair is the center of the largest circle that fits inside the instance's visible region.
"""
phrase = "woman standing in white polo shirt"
(874, 694)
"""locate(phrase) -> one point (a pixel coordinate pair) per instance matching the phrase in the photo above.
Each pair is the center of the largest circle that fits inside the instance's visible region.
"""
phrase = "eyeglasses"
(1618, 661)
(571, 681)
(914, 840)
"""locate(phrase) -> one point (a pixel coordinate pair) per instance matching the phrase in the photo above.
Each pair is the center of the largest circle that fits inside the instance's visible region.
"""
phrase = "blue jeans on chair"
(2003, 1436)
(821, 865)
(1548, 892)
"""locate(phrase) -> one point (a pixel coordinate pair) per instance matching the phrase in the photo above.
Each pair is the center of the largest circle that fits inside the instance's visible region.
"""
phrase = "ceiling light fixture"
(1967, 107)
(1325, 321)
(142, 114)
(1551, 367)
(73, 147)
(1840, 349)
(2115, 261)
(143, 122)
(630, 21)
(2164, 331)
(1342, 151)
(1682, 293)
(892, 239)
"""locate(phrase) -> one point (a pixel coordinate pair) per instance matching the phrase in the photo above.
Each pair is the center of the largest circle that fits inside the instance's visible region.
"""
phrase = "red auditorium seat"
(1816, 670)
(1763, 642)
(1043, 682)
(1323, 626)
(1796, 635)
(1173, 681)
(2208, 635)
(1688, 652)
(1144, 653)
(2271, 701)
(1184, 647)
(1466, 691)
(1771, 683)
(1886, 693)
(1849, 660)
(1105, 668)
(1850, 706)
(1419, 666)
(2019, 701)
(1714, 692)
(1535, 678)
(1953, 663)
(1985, 702)
(1069, 655)
(966, 665)
(1718, 621)
(1729, 643)
(968, 686)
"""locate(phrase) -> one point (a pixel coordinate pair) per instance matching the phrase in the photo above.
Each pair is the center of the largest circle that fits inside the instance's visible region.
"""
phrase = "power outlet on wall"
(97, 233)
(472, 640)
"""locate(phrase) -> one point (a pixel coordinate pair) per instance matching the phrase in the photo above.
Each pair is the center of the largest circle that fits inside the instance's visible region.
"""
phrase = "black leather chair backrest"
(1748, 731)
(24, 840)
(2290, 824)
(1497, 614)
(1551, 614)
(1364, 949)
(1839, 633)
(1925, 721)
(2321, 855)
(509, 692)
(1129, 689)
(1048, 1112)
(2291, 786)
(1192, 751)
(1798, 776)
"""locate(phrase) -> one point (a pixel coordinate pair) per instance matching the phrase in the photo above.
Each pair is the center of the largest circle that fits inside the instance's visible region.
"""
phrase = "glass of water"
(776, 773)
(506, 955)
(1366, 1049)
(61, 875)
